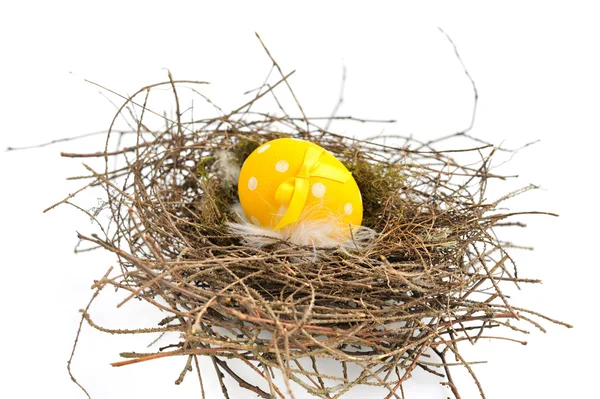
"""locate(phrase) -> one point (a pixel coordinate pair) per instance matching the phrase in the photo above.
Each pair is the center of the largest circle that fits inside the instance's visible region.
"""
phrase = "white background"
(536, 67)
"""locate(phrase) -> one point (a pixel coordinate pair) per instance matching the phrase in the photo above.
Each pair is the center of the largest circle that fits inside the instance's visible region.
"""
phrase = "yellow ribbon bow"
(295, 189)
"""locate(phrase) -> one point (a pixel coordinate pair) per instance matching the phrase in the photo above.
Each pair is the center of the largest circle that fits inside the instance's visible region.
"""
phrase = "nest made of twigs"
(431, 278)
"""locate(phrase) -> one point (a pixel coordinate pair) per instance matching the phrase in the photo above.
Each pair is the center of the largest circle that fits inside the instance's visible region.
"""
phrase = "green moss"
(203, 167)
(377, 184)
(244, 147)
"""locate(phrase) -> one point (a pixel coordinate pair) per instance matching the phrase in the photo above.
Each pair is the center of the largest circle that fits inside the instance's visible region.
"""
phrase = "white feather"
(326, 234)
(227, 167)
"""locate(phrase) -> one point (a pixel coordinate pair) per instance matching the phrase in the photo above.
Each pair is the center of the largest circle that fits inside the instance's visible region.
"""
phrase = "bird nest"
(270, 317)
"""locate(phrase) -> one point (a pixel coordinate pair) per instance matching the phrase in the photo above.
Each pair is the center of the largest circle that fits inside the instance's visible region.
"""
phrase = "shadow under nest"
(430, 279)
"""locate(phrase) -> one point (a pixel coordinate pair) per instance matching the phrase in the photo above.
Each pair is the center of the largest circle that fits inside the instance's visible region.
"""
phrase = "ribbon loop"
(294, 191)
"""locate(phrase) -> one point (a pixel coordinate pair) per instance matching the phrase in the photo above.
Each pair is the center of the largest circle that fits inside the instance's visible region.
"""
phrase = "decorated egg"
(288, 184)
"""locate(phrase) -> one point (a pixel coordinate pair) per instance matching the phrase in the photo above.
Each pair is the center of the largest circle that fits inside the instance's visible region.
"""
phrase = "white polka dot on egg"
(318, 190)
(348, 208)
(282, 166)
(252, 183)
(263, 148)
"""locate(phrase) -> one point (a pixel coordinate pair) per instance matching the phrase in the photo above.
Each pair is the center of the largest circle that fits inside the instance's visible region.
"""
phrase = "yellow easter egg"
(289, 182)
